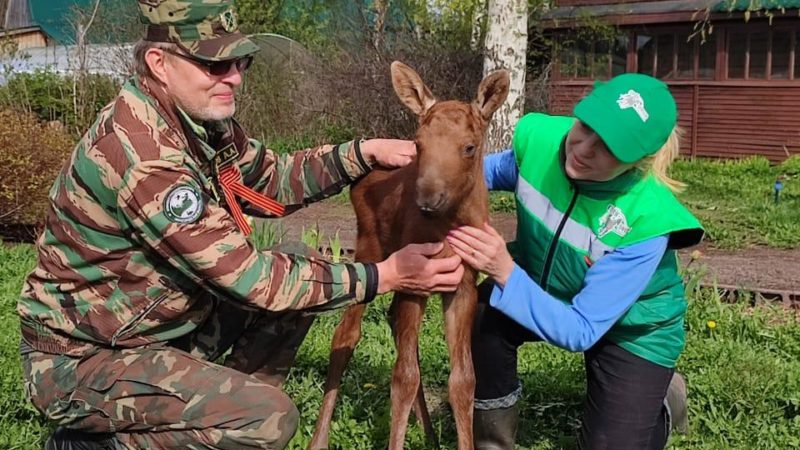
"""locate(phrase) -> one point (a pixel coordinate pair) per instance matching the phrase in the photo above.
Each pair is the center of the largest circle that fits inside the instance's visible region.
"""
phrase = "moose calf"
(442, 189)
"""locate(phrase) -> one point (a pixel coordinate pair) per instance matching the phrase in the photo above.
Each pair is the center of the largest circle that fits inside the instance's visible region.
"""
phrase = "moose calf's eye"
(469, 150)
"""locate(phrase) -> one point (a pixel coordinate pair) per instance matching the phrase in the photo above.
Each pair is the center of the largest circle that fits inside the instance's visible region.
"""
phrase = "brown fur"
(442, 189)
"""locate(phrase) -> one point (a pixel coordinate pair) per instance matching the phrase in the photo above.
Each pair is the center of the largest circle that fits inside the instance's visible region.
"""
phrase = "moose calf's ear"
(410, 89)
(492, 92)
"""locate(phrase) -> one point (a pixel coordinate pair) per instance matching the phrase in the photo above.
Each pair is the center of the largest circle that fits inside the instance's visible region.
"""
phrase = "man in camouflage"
(145, 276)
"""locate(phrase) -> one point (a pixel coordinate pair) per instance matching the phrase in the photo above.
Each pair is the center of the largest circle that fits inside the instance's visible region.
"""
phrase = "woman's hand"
(389, 153)
(484, 249)
(413, 270)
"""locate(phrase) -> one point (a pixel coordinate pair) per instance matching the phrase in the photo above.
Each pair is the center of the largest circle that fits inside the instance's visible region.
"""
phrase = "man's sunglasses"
(218, 68)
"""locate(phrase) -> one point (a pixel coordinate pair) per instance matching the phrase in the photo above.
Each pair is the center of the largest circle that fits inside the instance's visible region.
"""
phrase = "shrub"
(343, 94)
(51, 96)
(32, 155)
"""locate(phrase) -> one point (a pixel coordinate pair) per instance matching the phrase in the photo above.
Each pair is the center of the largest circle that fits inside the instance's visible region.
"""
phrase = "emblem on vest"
(633, 99)
(183, 204)
(613, 221)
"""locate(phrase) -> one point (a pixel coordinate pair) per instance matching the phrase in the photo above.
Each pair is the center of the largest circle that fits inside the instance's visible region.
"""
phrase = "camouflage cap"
(205, 29)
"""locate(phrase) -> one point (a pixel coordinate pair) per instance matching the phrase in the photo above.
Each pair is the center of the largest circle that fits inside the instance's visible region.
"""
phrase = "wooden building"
(738, 89)
(17, 28)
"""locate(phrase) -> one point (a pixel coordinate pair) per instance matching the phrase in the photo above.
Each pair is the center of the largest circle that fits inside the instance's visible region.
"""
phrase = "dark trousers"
(624, 406)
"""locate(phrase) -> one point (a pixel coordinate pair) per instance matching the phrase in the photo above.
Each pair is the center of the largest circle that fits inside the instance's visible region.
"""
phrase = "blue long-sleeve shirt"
(611, 286)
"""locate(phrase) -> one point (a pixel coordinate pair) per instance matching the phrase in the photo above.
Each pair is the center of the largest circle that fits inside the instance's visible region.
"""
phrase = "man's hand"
(389, 153)
(412, 270)
(484, 249)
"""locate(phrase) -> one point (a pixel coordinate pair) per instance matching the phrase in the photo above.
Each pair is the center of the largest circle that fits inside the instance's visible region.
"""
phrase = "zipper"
(136, 320)
(548, 262)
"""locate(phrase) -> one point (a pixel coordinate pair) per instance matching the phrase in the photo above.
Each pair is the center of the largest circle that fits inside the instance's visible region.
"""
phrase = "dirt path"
(753, 268)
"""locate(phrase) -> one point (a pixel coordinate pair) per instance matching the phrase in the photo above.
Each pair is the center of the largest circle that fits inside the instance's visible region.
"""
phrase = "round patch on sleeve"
(183, 204)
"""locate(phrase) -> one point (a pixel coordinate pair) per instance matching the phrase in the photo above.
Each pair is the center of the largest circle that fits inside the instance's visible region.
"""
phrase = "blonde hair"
(658, 163)
(140, 66)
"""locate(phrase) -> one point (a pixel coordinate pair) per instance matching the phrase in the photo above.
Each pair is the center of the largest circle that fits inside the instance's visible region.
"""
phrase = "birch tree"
(504, 48)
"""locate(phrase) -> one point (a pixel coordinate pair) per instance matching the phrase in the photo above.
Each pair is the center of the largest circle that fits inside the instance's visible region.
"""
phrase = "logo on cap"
(633, 99)
(229, 21)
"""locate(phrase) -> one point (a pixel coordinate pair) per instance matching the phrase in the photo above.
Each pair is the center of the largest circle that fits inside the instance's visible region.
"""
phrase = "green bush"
(52, 97)
(32, 155)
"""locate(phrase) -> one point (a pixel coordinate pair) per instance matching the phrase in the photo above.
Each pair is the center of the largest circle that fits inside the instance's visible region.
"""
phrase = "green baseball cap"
(205, 29)
(634, 114)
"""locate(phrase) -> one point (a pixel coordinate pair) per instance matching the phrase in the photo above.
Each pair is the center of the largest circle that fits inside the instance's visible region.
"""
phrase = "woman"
(594, 267)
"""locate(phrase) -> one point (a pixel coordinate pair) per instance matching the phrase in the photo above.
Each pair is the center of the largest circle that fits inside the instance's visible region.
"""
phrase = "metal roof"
(744, 5)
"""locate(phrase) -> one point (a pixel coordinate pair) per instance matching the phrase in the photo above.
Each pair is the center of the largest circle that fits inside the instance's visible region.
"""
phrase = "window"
(676, 55)
(745, 51)
(763, 53)
(593, 58)
(619, 55)
(759, 47)
(646, 52)
(707, 57)
(781, 51)
(665, 56)
(686, 50)
(737, 55)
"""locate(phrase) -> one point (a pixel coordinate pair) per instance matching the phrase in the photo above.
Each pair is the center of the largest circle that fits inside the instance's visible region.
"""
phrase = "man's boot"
(676, 404)
(495, 429)
(66, 439)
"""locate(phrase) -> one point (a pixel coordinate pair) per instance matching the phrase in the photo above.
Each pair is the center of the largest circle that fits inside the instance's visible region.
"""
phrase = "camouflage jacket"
(125, 260)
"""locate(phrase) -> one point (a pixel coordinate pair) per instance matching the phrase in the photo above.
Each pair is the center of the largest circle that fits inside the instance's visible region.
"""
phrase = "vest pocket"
(129, 327)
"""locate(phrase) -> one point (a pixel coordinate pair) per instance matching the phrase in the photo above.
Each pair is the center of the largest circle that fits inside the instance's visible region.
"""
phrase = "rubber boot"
(66, 439)
(495, 429)
(676, 404)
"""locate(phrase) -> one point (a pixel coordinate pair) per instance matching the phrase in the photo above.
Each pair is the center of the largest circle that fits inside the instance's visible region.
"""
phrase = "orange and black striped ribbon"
(231, 186)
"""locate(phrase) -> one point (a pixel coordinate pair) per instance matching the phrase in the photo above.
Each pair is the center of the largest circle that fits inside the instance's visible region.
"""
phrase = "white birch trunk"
(505, 46)
(477, 22)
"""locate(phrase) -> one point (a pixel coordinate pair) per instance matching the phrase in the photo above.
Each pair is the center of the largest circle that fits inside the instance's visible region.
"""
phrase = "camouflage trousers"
(173, 395)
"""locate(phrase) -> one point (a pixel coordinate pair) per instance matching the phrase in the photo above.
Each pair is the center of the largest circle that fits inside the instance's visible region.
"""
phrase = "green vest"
(565, 226)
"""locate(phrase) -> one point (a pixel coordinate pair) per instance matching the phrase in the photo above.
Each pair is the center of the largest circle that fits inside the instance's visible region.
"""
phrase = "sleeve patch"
(183, 204)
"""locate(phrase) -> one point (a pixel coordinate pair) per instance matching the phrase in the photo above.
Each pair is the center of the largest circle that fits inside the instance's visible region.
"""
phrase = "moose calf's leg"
(459, 312)
(406, 320)
(423, 415)
(345, 338)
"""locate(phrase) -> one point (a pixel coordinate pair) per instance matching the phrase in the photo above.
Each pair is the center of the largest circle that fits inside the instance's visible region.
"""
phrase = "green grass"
(743, 376)
(735, 201)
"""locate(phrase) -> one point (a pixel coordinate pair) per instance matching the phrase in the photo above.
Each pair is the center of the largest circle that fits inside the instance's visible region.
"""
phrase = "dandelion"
(711, 324)
(369, 386)
(697, 254)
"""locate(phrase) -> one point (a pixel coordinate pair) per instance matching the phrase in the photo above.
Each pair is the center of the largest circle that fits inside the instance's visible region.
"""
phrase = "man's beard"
(209, 113)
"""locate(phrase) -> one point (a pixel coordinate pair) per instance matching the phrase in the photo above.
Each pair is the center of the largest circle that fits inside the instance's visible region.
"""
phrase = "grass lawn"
(735, 200)
(743, 375)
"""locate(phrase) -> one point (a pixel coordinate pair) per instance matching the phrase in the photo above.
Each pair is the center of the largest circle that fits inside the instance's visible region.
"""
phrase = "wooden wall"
(721, 121)
(748, 120)
(32, 39)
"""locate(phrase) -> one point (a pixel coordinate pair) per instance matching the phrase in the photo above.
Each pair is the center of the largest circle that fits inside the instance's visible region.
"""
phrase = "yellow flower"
(369, 386)
(711, 324)
(696, 255)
